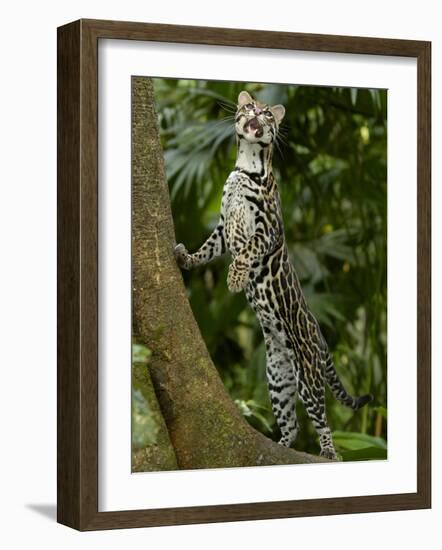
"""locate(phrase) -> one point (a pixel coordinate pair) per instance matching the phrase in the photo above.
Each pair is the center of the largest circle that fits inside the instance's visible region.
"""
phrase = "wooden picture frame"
(77, 128)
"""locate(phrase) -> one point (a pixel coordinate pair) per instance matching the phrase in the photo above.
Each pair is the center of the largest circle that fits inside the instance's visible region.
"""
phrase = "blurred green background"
(331, 167)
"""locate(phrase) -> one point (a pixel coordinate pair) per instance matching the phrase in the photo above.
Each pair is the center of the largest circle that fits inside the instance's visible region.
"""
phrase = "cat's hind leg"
(282, 384)
(312, 395)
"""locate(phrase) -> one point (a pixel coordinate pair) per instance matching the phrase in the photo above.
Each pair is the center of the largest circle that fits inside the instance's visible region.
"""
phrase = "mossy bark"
(205, 426)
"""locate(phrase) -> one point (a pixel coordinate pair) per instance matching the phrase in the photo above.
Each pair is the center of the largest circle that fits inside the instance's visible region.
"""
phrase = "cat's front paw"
(237, 278)
(182, 256)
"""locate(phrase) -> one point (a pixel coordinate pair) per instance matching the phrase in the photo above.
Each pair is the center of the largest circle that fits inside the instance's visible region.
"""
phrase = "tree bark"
(205, 426)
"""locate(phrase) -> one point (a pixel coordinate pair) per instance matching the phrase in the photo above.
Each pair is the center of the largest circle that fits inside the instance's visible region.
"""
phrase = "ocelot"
(251, 228)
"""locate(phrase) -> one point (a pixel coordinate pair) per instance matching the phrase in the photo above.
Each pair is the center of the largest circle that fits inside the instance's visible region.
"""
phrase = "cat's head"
(257, 122)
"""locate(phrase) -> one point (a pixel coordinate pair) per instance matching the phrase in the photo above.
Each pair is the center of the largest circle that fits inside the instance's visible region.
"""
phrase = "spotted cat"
(251, 228)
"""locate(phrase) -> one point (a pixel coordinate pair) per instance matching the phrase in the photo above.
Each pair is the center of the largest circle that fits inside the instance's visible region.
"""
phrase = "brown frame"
(77, 462)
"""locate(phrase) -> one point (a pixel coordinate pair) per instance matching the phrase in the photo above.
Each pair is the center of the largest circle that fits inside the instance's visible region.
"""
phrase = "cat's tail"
(340, 392)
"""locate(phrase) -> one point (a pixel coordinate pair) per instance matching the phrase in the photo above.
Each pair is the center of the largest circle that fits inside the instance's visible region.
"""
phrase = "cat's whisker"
(280, 140)
(226, 107)
(228, 117)
(223, 123)
(279, 149)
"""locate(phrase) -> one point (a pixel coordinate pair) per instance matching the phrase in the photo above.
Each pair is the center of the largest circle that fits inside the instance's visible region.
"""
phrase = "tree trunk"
(205, 426)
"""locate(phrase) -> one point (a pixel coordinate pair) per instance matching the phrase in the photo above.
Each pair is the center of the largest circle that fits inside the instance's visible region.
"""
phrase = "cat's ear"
(244, 98)
(278, 112)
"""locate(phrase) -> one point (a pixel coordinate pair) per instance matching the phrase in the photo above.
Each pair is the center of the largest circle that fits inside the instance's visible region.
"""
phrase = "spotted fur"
(250, 227)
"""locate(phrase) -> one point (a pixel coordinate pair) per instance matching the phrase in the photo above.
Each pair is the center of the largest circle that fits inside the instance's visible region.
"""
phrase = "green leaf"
(356, 440)
(249, 409)
(140, 354)
(144, 425)
(324, 306)
(367, 453)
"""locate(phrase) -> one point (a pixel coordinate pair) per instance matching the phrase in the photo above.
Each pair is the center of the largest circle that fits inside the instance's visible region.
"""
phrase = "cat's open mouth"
(255, 126)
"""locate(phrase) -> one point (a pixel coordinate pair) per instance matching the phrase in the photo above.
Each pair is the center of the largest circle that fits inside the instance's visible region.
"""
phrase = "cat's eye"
(249, 106)
(268, 113)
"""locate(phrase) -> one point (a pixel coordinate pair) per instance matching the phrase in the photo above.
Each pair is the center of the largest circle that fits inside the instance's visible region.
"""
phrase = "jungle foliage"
(331, 166)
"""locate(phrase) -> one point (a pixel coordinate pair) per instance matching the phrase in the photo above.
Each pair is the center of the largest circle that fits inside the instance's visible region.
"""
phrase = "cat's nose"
(257, 111)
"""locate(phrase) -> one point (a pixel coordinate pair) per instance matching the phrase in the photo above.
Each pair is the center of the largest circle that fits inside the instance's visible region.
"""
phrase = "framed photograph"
(243, 274)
